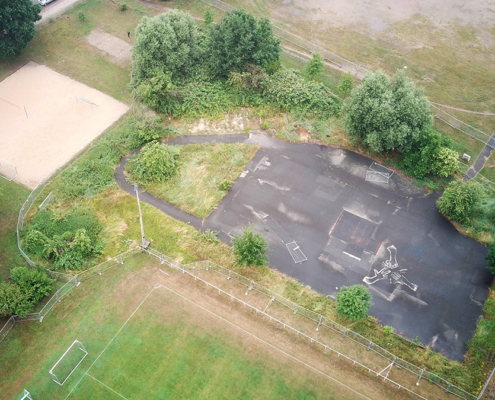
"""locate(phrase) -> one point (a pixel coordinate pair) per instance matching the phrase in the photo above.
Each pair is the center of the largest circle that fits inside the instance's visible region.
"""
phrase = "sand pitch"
(44, 124)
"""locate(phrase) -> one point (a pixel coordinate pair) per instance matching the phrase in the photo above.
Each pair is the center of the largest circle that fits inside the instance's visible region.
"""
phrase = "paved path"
(348, 229)
(481, 160)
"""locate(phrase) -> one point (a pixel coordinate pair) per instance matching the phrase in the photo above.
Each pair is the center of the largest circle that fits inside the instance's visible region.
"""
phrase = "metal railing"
(321, 320)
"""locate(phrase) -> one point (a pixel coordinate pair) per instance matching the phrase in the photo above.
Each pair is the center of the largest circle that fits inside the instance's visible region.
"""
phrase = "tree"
(250, 248)
(490, 257)
(459, 200)
(238, 40)
(387, 115)
(33, 282)
(208, 16)
(165, 43)
(17, 20)
(353, 302)
(346, 84)
(155, 162)
(315, 66)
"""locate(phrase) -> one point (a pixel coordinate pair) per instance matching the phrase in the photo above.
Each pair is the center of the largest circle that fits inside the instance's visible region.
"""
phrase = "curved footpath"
(327, 227)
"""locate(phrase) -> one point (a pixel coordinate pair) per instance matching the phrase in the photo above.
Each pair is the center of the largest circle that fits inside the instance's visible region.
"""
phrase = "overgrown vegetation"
(154, 163)
(205, 173)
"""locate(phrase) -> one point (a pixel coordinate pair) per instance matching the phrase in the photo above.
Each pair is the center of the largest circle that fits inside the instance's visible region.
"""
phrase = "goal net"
(68, 363)
(8, 170)
(25, 395)
(378, 173)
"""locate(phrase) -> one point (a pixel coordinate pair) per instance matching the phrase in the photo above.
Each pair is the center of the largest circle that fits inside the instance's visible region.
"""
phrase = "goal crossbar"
(81, 347)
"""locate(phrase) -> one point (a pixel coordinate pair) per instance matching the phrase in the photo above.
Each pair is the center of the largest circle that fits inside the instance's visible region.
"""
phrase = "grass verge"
(205, 175)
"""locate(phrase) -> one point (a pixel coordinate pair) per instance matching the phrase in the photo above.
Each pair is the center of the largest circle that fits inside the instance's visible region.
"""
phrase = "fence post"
(319, 323)
(420, 375)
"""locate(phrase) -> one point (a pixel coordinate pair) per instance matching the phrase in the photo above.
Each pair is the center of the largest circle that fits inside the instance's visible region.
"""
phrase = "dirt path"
(463, 110)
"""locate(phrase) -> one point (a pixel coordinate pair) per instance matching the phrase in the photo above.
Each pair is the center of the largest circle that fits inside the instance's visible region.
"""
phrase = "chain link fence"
(7, 170)
(319, 319)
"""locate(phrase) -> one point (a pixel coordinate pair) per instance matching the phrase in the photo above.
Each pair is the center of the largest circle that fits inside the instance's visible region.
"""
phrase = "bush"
(315, 65)
(432, 154)
(240, 39)
(14, 301)
(346, 84)
(459, 200)
(250, 248)
(123, 7)
(353, 302)
(290, 91)
(81, 16)
(387, 115)
(166, 43)
(490, 257)
(155, 163)
(35, 283)
(208, 16)
(225, 185)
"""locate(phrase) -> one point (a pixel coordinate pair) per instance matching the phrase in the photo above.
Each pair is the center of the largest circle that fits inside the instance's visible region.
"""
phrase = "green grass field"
(150, 341)
(12, 196)
(203, 167)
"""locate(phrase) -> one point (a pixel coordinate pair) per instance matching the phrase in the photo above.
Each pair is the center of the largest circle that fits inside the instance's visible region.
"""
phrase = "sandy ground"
(109, 44)
(43, 125)
(378, 15)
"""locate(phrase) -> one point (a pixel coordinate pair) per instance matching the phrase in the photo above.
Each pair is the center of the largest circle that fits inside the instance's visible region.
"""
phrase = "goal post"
(25, 395)
(68, 363)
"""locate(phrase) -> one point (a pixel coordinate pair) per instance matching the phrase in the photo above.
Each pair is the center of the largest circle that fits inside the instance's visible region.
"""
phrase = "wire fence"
(7, 170)
(71, 281)
(320, 320)
(358, 70)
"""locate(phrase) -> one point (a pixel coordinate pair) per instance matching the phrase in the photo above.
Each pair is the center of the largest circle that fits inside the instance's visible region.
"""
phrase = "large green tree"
(17, 18)
(240, 39)
(165, 43)
(387, 115)
(459, 200)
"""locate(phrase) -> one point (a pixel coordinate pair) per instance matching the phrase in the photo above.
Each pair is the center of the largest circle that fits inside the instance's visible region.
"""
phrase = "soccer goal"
(378, 173)
(68, 363)
(25, 395)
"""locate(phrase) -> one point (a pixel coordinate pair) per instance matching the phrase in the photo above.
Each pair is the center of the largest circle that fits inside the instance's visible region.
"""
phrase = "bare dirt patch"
(45, 123)
(117, 48)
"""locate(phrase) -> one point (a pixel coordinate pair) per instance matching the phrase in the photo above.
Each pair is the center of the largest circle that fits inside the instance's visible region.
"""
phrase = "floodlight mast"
(144, 243)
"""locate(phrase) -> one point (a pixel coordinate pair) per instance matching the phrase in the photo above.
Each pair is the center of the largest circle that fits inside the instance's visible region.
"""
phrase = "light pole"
(144, 243)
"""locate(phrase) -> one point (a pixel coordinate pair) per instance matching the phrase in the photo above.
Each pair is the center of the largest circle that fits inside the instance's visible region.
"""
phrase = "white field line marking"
(109, 343)
(108, 387)
(268, 344)
(164, 272)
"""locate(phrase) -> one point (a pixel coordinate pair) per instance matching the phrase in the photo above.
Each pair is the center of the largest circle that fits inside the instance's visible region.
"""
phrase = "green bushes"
(68, 240)
(459, 200)
(490, 258)
(431, 155)
(250, 248)
(353, 302)
(291, 92)
(155, 163)
(28, 287)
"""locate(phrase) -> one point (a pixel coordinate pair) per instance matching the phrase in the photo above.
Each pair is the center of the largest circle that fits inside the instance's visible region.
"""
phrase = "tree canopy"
(459, 200)
(353, 302)
(250, 248)
(166, 43)
(17, 20)
(387, 115)
(240, 39)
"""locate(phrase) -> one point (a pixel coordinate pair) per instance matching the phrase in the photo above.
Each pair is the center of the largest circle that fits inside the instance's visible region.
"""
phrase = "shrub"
(123, 7)
(14, 301)
(387, 115)
(81, 16)
(346, 84)
(459, 200)
(315, 65)
(35, 283)
(240, 39)
(353, 302)
(432, 154)
(225, 185)
(155, 162)
(250, 248)
(208, 16)
(490, 257)
(290, 91)
(265, 125)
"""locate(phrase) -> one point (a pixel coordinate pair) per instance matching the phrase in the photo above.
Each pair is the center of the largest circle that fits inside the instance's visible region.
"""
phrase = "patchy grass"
(12, 196)
(488, 170)
(205, 175)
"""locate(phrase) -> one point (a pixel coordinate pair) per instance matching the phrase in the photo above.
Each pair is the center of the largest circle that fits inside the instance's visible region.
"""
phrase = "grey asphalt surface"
(347, 228)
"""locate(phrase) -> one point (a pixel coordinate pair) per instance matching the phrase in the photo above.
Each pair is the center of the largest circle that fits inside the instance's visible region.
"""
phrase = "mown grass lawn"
(196, 188)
